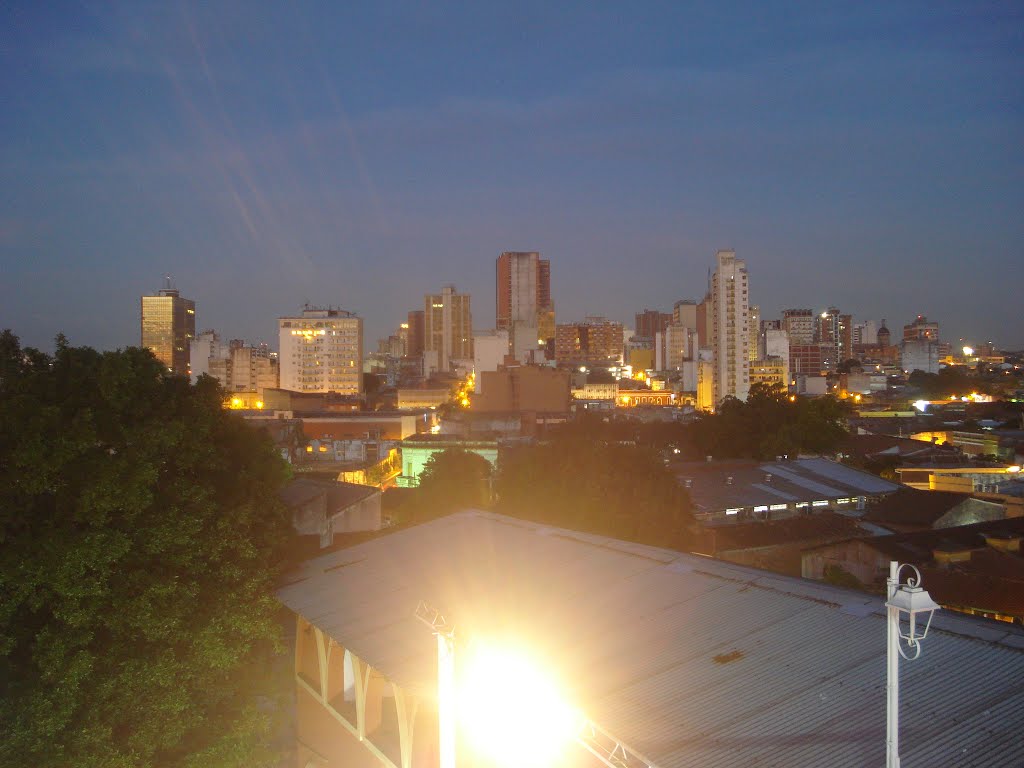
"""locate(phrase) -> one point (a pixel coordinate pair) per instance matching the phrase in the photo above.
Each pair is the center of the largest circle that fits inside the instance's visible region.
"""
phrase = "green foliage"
(139, 532)
(453, 479)
(581, 482)
(769, 424)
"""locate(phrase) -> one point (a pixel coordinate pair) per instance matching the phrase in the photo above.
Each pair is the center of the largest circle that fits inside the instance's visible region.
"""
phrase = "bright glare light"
(968, 351)
(921, 405)
(1014, 468)
(510, 711)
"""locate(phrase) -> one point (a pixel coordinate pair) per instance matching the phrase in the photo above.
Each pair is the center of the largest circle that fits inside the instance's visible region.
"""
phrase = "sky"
(868, 156)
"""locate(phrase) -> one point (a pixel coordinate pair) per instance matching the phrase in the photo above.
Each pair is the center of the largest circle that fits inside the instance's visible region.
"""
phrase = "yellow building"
(769, 371)
(168, 327)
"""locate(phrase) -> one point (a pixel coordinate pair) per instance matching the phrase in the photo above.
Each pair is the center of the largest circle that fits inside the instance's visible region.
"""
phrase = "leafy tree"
(452, 480)
(139, 535)
(609, 488)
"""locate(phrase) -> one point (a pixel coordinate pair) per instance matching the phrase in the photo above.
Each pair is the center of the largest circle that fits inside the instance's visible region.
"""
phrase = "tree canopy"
(139, 535)
(579, 480)
(771, 424)
(452, 480)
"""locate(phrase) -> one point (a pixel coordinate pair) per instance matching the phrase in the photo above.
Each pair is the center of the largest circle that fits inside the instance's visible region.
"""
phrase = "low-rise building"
(325, 508)
(418, 449)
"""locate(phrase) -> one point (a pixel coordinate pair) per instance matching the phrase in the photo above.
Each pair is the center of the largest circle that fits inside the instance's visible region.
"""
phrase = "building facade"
(730, 332)
(799, 324)
(595, 341)
(321, 350)
(168, 328)
(523, 304)
(448, 326)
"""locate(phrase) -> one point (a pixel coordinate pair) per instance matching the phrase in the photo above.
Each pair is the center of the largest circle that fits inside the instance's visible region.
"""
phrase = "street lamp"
(905, 603)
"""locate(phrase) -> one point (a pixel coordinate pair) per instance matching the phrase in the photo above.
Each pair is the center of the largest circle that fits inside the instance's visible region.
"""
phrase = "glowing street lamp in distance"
(921, 405)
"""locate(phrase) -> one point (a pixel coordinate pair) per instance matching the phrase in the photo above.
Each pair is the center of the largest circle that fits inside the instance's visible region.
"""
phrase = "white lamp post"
(905, 603)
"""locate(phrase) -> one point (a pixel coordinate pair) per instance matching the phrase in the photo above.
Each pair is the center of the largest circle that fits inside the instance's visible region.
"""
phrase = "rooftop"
(690, 662)
(715, 486)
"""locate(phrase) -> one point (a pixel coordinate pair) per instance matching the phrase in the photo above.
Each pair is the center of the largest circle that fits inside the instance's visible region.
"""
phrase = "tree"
(452, 480)
(139, 537)
(609, 488)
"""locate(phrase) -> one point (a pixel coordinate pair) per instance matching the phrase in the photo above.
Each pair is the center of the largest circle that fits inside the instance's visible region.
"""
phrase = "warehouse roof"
(690, 662)
(715, 486)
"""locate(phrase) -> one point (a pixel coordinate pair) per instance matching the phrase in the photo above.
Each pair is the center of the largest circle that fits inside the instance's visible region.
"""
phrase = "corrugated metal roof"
(689, 661)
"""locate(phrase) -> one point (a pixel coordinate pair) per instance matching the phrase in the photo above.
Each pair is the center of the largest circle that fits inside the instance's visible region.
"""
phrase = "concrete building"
(835, 330)
(168, 324)
(921, 330)
(321, 350)
(523, 305)
(920, 355)
(776, 344)
(595, 341)
(325, 508)
(799, 324)
(770, 371)
(523, 388)
(414, 338)
(730, 330)
(490, 349)
(651, 322)
(685, 313)
(204, 347)
(755, 350)
(673, 345)
(448, 327)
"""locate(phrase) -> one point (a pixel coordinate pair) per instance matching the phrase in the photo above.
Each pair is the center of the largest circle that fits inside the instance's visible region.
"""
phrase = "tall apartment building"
(595, 341)
(523, 304)
(730, 329)
(799, 325)
(448, 326)
(684, 313)
(321, 350)
(168, 327)
(651, 322)
(206, 346)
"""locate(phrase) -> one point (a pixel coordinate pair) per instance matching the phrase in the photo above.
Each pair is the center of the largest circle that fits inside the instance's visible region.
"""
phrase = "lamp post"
(905, 602)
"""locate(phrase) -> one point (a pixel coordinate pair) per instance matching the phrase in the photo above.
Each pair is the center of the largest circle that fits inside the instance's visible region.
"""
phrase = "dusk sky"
(868, 156)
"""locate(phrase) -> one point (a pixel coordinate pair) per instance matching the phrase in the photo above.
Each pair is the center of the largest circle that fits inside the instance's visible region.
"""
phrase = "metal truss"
(609, 750)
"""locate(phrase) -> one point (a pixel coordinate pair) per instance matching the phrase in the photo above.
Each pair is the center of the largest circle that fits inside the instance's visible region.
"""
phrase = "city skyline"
(865, 158)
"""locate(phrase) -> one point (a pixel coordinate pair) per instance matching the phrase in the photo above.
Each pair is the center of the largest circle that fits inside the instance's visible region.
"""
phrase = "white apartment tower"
(321, 351)
(730, 331)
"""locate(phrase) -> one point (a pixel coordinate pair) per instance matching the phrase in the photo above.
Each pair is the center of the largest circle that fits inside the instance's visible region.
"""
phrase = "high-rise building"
(799, 324)
(756, 348)
(204, 347)
(595, 341)
(651, 322)
(168, 327)
(448, 326)
(684, 313)
(523, 304)
(321, 351)
(921, 330)
(730, 331)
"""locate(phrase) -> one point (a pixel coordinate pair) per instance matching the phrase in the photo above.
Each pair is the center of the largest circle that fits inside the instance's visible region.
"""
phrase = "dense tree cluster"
(139, 535)
(770, 424)
(452, 480)
(579, 480)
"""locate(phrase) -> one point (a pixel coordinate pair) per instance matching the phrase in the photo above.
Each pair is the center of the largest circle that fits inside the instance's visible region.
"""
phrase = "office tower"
(414, 345)
(321, 351)
(523, 304)
(168, 327)
(595, 341)
(730, 332)
(651, 322)
(799, 324)
(447, 327)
